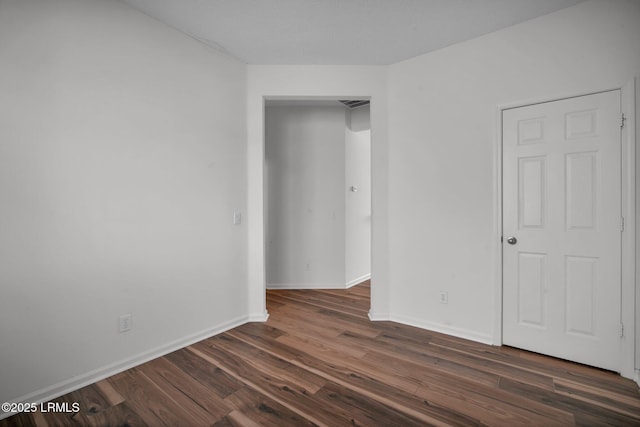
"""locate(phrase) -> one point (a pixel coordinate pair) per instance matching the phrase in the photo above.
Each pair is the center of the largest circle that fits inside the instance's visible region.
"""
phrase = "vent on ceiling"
(355, 103)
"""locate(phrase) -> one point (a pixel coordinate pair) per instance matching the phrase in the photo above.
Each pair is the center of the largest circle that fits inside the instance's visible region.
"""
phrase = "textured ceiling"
(359, 32)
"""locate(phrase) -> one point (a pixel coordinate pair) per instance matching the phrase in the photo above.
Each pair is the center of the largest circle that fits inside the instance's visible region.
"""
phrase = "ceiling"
(358, 32)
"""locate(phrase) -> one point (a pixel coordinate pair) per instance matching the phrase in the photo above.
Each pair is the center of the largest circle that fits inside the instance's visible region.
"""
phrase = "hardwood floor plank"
(564, 370)
(238, 419)
(283, 301)
(579, 372)
(493, 407)
(361, 410)
(289, 325)
(392, 375)
(266, 364)
(254, 408)
(361, 289)
(362, 383)
(19, 420)
(146, 400)
(603, 393)
(120, 415)
(228, 422)
(512, 362)
(267, 343)
(211, 376)
(336, 296)
(444, 360)
(109, 393)
(38, 420)
(185, 391)
(298, 401)
(91, 399)
(404, 335)
(442, 370)
(335, 346)
(55, 418)
(595, 397)
(591, 414)
(259, 330)
(319, 360)
(334, 320)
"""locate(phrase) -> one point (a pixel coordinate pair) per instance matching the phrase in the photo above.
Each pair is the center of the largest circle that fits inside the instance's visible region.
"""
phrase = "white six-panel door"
(562, 206)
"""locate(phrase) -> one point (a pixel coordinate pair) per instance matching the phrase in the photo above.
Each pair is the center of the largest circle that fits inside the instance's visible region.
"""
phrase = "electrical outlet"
(444, 297)
(125, 323)
(237, 218)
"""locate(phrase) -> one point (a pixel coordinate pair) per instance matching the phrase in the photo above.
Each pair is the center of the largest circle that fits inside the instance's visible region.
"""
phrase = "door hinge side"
(622, 120)
(621, 329)
(621, 223)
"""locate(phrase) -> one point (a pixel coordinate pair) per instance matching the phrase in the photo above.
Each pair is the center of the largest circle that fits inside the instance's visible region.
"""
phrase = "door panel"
(562, 202)
(532, 195)
(581, 285)
(531, 285)
(581, 178)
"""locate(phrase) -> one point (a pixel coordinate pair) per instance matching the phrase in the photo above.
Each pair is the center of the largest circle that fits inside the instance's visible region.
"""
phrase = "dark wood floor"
(320, 361)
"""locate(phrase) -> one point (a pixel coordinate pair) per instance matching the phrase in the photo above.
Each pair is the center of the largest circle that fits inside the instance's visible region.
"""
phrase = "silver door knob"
(512, 240)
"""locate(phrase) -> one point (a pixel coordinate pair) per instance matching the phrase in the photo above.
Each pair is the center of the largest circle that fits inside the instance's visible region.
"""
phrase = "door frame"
(630, 298)
(257, 277)
(311, 101)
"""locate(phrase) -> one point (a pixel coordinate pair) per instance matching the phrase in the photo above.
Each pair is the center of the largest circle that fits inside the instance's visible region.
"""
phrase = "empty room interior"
(337, 212)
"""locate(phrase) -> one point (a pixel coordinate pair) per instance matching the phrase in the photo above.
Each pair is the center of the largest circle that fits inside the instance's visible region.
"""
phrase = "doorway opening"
(317, 187)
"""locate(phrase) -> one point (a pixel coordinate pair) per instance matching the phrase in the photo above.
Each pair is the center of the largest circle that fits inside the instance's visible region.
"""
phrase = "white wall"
(443, 133)
(305, 173)
(321, 82)
(122, 159)
(358, 204)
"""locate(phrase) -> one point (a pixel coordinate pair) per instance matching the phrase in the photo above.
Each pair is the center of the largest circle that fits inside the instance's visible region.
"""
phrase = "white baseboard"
(443, 329)
(259, 317)
(358, 280)
(377, 317)
(77, 382)
(294, 286)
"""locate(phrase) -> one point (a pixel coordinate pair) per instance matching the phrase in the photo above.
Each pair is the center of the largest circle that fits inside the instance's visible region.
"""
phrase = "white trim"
(497, 231)
(306, 286)
(256, 266)
(358, 280)
(82, 380)
(628, 300)
(628, 304)
(378, 317)
(332, 285)
(432, 326)
(259, 317)
(558, 97)
(444, 329)
(263, 193)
